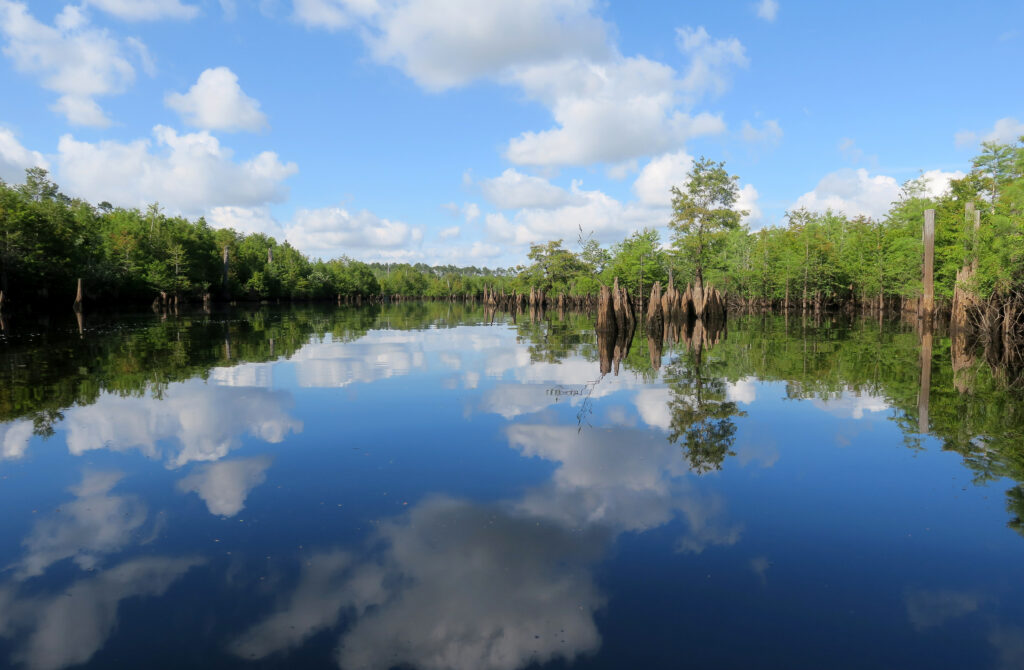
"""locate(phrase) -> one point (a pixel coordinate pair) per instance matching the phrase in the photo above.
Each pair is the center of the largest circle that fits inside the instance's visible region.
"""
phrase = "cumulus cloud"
(607, 217)
(71, 58)
(443, 43)
(191, 422)
(769, 133)
(607, 112)
(711, 61)
(515, 190)
(608, 108)
(333, 231)
(217, 102)
(224, 486)
(747, 202)
(654, 183)
(858, 193)
(246, 220)
(767, 10)
(58, 630)
(145, 10)
(448, 233)
(1005, 131)
(187, 173)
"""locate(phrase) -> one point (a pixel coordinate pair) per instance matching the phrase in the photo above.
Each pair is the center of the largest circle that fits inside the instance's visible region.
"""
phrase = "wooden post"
(78, 298)
(270, 256)
(928, 299)
(1, 300)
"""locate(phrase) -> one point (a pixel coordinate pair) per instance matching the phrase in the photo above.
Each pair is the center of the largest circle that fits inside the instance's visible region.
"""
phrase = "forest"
(48, 241)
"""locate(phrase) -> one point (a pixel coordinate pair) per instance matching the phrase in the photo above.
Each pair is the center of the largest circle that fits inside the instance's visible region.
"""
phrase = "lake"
(432, 486)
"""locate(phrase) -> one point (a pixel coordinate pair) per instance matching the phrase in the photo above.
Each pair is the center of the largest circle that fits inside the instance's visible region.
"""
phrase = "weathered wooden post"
(928, 281)
(1, 300)
(78, 297)
(270, 256)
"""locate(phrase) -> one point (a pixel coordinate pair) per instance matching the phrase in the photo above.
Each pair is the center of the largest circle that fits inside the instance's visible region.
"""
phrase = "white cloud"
(224, 486)
(747, 202)
(446, 43)
(936, 182)
(217, 102)
(768, 10)
(607, 108)
(770, 133)
(656, 179)
(332, 231)
(858, 193)
(515, 190)
(1005, 131)
(608, 218)
(448, 233)
(471, 212)
(15, 159)
(191, 173)
(72, 59)
(145, 10)
(606, 112)
(852, 192)
(710, 61)
(246, 220)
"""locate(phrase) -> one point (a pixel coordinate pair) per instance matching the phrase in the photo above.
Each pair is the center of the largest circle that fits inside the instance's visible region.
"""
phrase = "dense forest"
(127, 256)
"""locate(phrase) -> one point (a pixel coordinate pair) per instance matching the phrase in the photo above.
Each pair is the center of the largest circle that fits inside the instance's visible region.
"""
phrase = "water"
(424, 486)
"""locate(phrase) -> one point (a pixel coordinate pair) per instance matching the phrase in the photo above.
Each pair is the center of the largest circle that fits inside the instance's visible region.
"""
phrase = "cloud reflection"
(94, 524)
(224, 486)
(67, 628)
(461, 584)
(14, 437)
(198, 422)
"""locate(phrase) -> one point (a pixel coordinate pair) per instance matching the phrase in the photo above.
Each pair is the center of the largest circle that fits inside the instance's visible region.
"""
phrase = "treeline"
(49, 241)
(816, 260)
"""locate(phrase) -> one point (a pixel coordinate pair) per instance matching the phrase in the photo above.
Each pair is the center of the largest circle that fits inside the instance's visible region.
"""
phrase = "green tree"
(703, 213)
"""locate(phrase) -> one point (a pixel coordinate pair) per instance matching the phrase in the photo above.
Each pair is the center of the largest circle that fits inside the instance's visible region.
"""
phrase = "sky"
(460, 131)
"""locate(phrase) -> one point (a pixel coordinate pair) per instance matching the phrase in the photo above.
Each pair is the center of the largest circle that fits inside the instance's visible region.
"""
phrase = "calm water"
(421, 486)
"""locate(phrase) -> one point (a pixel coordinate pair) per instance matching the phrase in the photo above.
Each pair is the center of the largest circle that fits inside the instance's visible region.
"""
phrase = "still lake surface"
(429, 486)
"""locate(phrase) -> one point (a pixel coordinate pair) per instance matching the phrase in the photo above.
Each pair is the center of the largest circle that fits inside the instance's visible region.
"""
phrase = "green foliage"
(703, 213)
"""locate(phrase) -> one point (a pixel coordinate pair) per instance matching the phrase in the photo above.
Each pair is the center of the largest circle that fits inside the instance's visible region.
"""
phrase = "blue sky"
(460, 131)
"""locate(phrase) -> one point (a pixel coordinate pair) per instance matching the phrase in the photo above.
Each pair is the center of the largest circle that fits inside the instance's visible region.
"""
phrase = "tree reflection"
(702, 414)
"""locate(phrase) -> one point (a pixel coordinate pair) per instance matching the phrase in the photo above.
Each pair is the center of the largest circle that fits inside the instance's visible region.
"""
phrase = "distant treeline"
(48, 241)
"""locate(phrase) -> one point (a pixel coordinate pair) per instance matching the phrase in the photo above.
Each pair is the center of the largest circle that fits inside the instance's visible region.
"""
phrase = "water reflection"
(224, 486)
(485, 496)
(68, 627)
(95, 523)
(188, 422)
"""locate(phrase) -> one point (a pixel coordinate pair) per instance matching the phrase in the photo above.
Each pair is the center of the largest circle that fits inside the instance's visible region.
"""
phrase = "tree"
(703, 213)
